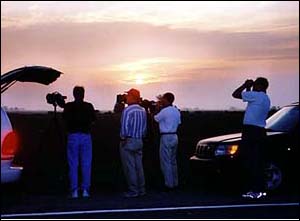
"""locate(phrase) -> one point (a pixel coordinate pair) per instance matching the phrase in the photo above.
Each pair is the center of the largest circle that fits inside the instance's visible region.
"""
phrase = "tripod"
(57, 129)
(51, 161)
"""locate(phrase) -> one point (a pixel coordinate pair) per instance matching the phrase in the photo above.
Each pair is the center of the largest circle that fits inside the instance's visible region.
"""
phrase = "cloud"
(110, 53)
(202, 16)
(201, 66)
(98, 44)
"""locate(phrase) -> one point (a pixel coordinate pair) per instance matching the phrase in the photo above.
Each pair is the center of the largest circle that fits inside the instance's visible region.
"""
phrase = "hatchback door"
(35, 74)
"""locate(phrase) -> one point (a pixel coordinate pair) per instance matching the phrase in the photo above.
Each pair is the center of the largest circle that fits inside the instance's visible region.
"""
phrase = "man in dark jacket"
(79, 116)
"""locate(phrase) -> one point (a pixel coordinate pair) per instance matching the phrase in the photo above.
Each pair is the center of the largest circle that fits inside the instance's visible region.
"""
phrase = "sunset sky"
(200, 51)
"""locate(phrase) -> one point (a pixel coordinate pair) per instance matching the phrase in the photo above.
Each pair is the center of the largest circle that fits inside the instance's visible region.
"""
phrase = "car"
(10, 141)
(220, 155)
(9, 147)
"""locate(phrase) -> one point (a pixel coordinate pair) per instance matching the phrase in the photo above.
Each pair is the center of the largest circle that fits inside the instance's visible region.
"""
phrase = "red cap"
(134, 92)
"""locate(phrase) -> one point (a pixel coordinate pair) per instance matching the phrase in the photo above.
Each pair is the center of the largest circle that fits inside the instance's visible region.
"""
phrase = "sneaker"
(130, 195)
(254, 195)
(247, 195)
(169, 189)
(260, 195)
(85, 194)
(143, 193)
(74, 194)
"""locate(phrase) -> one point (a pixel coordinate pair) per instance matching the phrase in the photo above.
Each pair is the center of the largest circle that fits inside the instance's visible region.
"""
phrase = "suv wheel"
(273, 176)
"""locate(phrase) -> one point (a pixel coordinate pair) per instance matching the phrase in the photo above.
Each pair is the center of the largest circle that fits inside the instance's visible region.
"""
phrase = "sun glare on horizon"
(139, 79)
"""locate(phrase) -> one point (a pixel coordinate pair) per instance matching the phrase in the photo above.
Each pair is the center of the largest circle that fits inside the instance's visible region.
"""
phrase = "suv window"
(284, 120)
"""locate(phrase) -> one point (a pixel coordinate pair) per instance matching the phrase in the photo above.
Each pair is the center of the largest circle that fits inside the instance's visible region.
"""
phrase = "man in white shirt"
(169, 120)
(254, 134)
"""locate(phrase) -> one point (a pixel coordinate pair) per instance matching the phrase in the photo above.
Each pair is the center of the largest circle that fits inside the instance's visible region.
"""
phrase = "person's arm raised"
(238, 92)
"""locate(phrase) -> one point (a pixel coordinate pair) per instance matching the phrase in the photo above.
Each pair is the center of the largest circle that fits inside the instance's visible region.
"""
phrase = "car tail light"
(10, 145)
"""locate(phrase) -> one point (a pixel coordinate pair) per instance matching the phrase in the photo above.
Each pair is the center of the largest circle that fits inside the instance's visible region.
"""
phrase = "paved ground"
(185, 203)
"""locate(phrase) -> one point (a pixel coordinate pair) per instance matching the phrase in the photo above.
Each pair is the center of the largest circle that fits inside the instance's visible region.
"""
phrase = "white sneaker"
(74, 194)
(248, 195)
(253, 195)
(85, 194)
(260, 195)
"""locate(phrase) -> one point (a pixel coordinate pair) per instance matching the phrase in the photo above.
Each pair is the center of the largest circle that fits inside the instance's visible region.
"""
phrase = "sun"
(139, 79)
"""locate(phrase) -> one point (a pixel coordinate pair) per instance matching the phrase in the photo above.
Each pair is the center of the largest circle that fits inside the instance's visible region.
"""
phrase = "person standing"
(79, 116)
(133, 129)
(168, 119)
(254, 134)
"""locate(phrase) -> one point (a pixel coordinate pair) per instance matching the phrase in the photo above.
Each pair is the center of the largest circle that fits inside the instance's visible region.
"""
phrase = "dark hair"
(78, 92)
(263, 82)
(169, 97)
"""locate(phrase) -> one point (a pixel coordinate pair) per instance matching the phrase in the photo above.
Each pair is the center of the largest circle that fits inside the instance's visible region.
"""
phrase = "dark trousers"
(252, 157)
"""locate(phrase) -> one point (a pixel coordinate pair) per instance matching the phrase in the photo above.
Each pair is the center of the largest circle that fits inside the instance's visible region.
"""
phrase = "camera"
(121, 98)
(56, 99)
(120, 103)
(151, 107)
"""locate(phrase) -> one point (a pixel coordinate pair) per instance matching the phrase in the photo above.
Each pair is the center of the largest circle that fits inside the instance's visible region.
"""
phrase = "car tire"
(273, 176)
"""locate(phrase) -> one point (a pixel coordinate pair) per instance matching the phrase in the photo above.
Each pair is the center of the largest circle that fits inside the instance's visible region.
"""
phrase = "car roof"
(292, 104)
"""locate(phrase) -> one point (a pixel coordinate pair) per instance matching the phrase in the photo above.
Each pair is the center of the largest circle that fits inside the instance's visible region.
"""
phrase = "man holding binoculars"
(254, 133)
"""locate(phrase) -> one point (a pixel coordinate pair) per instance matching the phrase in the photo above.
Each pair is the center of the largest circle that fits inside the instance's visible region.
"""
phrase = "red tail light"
(10, 145)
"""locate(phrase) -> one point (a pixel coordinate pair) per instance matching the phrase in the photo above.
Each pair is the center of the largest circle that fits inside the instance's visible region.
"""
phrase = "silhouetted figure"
(169, 120)
(79, 116)
(133, 129)
(254, 133)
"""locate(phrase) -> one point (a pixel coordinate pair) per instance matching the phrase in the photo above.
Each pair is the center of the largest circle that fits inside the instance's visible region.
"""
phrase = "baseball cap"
(134, 92)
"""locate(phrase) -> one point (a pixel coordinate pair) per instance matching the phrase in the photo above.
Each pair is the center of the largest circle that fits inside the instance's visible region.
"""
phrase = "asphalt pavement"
(181, 204)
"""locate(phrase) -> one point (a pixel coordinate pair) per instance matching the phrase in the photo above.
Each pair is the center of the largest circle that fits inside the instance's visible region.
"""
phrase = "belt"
(128, 137)
(166, 133)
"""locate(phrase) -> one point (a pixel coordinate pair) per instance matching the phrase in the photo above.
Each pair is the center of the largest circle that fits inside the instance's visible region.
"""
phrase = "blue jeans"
(79, 149)
(168, 162)
(131, 152)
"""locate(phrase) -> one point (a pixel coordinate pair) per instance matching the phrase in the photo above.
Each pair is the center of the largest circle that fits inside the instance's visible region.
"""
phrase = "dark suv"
(221, 154)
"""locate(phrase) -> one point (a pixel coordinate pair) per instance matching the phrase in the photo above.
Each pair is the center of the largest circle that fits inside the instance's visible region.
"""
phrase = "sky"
(201, 51)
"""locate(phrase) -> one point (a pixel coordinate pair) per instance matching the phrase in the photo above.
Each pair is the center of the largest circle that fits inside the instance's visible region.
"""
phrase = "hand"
(158, 106)
(248, 83)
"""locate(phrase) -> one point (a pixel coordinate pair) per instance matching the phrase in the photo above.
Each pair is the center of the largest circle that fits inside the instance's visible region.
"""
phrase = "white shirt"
(257, 109)
(168, 119)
